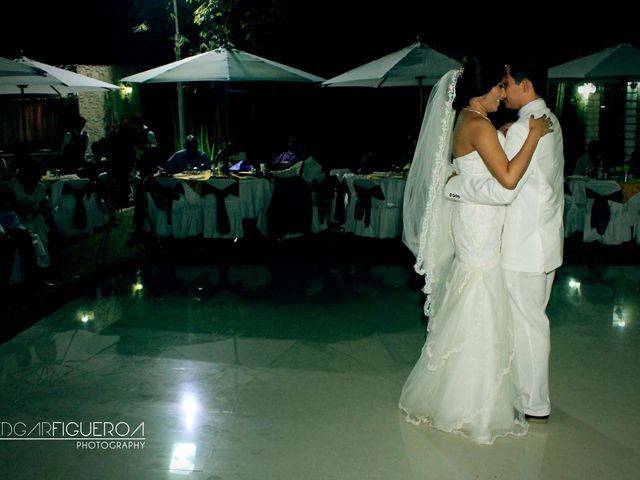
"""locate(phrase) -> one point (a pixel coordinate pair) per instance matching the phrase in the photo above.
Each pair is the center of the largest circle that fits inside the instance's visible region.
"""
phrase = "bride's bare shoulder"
(467, 131)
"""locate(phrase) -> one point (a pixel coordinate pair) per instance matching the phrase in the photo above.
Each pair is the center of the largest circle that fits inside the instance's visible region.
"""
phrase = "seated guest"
(588, 163)
(149, 162)
(32, 201)
(188, 159)
(238, 158)
(145, 136)
(309, 169)
(74, 147)
(289, 157)
(373, 161)
(18, 237)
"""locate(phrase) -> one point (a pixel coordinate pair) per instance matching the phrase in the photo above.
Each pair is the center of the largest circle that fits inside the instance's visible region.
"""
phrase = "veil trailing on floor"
(426, 213)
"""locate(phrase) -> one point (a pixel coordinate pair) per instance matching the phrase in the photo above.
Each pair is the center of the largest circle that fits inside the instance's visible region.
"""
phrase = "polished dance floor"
(293, 372)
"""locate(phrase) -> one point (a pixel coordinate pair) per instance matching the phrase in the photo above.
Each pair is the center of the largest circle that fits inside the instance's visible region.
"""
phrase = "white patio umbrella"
(42, 79)
(414, 66)
(10, 68)
(611, 64)
(223, 64)
(55, 81)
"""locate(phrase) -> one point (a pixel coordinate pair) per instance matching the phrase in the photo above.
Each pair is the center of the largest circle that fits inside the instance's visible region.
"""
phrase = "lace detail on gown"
(465, 379)
(429, 243)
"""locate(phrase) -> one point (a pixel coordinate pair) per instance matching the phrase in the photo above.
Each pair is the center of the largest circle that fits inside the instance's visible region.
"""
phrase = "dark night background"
(325, 38)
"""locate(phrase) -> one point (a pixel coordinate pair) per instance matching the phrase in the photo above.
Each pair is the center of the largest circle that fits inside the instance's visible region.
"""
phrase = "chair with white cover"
(604, 221)
(161, 200)
(341, 194)
(316, 179)
(42, 259)
(631, 216)
(221, 209)
(310, 171)
(575, 206)
(173, 207)
(71, 202)
(191, 221)
(318, 214)
(391, 212)
(290, 212)
(42, 253)
(363, 215)
(255, 196)
(98, 209)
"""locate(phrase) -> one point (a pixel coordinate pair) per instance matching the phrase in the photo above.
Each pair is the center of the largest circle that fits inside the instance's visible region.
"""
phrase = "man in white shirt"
(532, 238)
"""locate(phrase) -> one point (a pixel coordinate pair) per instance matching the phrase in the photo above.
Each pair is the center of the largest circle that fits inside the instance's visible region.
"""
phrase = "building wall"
(591, 118)
(102, 109)
(631, 132)
(590, 109)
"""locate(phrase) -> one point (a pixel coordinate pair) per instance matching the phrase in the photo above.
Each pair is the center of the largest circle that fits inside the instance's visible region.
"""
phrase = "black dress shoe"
(536, 418)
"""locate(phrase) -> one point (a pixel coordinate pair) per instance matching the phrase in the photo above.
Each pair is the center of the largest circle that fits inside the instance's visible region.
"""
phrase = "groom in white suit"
(532, 238)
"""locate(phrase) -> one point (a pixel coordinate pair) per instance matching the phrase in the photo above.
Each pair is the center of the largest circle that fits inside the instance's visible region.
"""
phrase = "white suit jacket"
(532, 239)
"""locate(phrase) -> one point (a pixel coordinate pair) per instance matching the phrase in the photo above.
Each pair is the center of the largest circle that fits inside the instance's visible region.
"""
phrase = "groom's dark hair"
(534, 72)
(479, 76)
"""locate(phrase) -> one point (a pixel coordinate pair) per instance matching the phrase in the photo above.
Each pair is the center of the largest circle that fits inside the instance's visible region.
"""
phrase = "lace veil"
(426, 213)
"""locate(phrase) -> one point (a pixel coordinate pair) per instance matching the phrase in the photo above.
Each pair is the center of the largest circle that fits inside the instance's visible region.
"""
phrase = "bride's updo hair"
(479, 76)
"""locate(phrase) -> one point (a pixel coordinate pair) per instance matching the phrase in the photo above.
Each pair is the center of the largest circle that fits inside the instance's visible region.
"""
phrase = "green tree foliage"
(237, 22)
(207, 24)
(154, 22)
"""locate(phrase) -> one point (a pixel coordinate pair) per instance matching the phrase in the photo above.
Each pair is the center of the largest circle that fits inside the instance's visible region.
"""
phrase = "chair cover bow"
(222, 220)
(164, 196)
(600, 212)
(341, 189)
(79, 209)
(363, 204)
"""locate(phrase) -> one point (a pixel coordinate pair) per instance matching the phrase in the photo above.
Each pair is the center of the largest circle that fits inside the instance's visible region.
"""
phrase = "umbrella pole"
(180, 113)
(226, 110)
(420, 78)
(22, 129)
(179, 84)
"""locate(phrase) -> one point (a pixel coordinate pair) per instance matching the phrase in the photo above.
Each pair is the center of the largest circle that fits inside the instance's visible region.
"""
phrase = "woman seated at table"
(31, 196)
(237, 158)
(17, 233)
(188, 159)
(373, 160)
(289, 157)
(589, 162)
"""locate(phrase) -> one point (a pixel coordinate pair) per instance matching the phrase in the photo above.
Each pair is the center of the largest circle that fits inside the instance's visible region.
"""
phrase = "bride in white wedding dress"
(465, 379)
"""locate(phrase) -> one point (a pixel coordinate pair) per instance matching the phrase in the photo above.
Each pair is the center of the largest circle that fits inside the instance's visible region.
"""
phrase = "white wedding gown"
(465, 380)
